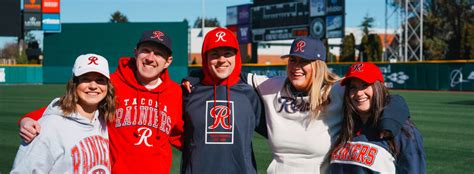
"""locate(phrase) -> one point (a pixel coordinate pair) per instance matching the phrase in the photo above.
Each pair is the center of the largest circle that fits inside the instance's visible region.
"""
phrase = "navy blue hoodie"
(220, 117)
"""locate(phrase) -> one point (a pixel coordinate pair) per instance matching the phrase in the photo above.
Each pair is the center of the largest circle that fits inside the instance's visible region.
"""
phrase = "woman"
(74, 135)
(358, 149)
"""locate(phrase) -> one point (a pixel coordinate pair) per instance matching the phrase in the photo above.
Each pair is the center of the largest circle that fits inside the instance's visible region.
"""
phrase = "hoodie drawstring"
(228, 103)
(159, 115)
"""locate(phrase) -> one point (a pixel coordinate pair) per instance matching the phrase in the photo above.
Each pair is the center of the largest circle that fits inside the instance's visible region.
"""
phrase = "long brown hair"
(321, 85)
(379, 100)
(106, 107)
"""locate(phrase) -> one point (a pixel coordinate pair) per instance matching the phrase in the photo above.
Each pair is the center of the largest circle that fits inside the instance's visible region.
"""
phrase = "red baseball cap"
(366, 71)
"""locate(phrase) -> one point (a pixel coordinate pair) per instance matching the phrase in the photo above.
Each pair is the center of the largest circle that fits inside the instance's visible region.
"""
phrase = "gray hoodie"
(66, 144)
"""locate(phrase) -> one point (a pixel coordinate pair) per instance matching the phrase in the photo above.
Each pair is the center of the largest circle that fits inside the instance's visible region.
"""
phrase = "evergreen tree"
(118, 17)
(348, 49)
(209, 22)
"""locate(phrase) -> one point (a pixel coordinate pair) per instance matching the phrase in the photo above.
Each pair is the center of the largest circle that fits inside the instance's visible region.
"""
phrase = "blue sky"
(77, 11)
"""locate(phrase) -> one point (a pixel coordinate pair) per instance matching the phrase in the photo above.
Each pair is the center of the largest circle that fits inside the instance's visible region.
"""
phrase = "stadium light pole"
(202, 18)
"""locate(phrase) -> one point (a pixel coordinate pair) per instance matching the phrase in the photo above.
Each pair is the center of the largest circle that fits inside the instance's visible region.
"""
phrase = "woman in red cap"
(358, 148)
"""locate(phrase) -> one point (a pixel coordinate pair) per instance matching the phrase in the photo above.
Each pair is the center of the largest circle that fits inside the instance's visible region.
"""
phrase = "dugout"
(111, 40)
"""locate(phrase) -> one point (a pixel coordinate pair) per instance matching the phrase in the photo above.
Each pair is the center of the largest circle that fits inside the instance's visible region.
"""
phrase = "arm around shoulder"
(394, 115)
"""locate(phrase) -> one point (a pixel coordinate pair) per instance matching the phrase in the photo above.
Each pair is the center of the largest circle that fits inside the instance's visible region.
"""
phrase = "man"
(221, 113)
(148, 115)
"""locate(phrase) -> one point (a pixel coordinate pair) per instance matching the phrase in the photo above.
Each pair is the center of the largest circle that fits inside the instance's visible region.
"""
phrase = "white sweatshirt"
(298, 145)
(66, 144)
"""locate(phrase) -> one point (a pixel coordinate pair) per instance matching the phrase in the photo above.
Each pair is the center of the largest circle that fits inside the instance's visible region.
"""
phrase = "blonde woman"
(74, 135)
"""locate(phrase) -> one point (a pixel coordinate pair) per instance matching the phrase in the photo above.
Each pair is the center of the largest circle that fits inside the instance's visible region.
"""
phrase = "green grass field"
(445, 119)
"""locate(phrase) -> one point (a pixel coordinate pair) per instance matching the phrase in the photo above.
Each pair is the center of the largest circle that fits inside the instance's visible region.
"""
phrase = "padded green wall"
(111, 40)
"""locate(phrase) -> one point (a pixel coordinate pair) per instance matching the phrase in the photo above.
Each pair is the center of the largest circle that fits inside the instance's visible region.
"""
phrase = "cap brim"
(297, 55)
(155, 42)
(79, 73)
(368, 81)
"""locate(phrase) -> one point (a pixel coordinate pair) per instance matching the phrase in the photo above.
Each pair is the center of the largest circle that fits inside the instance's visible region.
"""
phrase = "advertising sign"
(317, 8)
(32, 21)
(335, 26)
(32, 5)
(51, 23)
(243, 14)
(10, 16)
(232, 15)
(335, 7)
(317, 28)
(243, 34)
(51, 6)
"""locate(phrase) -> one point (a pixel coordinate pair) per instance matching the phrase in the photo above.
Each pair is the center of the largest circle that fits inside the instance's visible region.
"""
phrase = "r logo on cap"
(92, 59)
(300, 46)
(357, 67)
(220, 36)
(158, 35)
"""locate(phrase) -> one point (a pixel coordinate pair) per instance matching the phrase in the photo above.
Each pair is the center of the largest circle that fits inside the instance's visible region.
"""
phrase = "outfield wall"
(25, 74)
(111, 40)
(453, 76)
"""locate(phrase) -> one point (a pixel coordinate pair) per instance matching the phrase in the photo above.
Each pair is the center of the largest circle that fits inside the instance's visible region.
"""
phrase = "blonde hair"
(321, 85)
(106, 107)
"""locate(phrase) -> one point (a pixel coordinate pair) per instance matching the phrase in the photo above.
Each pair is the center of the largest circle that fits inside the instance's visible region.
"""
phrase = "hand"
(186, 84)
(385, 134)
(29, 129)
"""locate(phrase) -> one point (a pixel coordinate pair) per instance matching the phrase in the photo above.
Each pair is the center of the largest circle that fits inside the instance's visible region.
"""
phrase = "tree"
(375, 49)
(118, 17)
(447, 29)
(10, 51)
(348, 49)
(186, 21)
(209, 22)
(363, 48)
(367, 23)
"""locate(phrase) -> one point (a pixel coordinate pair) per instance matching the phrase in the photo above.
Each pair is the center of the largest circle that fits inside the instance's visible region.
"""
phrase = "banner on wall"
(232, 15)
(51, 23)
(335, 26)
(32, 5)
(51, 6)
(32, 21)
(317, 8)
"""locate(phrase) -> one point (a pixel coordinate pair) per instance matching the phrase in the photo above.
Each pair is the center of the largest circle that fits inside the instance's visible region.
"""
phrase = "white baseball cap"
(91, 63)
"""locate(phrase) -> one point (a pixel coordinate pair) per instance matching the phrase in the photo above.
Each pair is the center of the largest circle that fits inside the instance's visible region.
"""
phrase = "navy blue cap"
(156, 36)
(307, 48)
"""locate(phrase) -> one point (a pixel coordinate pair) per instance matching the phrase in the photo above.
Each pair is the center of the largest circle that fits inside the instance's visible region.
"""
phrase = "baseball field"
(445, 119)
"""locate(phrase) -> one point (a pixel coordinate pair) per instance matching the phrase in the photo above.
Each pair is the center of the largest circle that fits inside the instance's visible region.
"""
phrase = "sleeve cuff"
(390, 125)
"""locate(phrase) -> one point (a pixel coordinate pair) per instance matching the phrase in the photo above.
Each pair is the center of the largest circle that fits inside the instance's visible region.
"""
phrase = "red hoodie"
(146, 121)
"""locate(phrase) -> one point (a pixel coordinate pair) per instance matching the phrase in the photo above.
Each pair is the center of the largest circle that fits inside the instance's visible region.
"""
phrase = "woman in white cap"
(74, 138)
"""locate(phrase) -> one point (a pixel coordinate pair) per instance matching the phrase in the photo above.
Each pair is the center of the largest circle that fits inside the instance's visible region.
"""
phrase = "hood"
(126, 72)
(54, 109)
(220, 37)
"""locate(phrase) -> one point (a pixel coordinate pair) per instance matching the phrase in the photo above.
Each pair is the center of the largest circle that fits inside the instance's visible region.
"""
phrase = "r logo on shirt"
(144, 133)
(219, 122)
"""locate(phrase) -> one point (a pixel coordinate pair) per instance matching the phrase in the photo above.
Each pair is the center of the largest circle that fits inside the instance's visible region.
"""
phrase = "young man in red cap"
(221, 113)
(148, 115)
